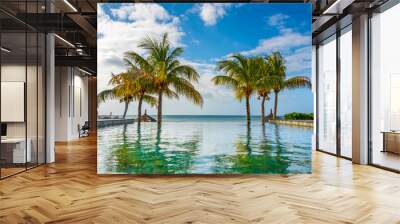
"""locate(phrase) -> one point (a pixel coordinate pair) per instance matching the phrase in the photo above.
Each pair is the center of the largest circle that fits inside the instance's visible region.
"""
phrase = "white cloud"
(283, 42)
(279, 22)
(211, 12)
(205, 85)
(127, 26)
(295, 46)
(134, 12)
(277, 19)
(299, 60)
(195, 41)
(122, 31)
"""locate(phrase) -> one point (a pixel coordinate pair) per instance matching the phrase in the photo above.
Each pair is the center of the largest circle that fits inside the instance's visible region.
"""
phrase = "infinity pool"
(204, 145)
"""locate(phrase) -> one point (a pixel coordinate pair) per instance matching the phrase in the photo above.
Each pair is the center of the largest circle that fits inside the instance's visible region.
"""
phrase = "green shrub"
(299, 116)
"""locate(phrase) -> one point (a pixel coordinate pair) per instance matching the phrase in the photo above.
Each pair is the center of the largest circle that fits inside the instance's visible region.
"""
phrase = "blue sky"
(208, 33)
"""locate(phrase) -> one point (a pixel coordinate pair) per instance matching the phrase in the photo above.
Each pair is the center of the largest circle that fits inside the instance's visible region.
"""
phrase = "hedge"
(299, 116)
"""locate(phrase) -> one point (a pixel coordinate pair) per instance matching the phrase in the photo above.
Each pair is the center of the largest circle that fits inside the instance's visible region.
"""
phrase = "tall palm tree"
(264, 86)
(278, 70)
(169, 76)
(142, 81)
(120, 91)
(240, 75)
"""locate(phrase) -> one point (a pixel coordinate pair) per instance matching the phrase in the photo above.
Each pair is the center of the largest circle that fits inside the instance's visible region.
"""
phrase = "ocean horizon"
(189, 115)
(182, 118)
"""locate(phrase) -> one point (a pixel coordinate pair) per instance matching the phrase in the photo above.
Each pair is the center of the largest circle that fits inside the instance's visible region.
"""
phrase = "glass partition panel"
(346, 92)
(385, 89)
(41, 99)
(22, 107)
(14, 153)
(31, 98)
(327, 95)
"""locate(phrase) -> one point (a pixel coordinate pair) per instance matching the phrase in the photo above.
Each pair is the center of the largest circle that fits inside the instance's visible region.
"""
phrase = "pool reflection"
(179, 148)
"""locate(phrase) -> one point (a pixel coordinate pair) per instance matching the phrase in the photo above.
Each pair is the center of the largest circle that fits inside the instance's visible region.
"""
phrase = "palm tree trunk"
(126, 109)
(140, 109)
(159, 111)
(275, 104)
(248, 109)
(263, 110)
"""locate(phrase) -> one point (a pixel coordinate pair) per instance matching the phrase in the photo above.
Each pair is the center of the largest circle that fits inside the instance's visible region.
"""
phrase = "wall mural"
(204, 88)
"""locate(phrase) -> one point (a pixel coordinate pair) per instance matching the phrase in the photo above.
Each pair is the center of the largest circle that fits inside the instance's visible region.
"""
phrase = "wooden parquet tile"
(70, 191)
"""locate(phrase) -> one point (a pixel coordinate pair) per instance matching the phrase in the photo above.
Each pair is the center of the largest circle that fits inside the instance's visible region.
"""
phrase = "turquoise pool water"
(204, 145)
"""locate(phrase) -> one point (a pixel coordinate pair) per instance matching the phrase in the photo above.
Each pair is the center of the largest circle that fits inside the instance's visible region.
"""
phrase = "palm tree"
(142, 81)
(264, 85)
(126, 88)
(240, 75)
(278, 70)
(121, 90)
(169, 76)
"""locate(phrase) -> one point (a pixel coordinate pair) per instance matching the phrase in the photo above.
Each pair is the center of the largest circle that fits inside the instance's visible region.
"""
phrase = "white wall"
(71, 87)
(33, 126)
(16, 73)
(79, 117)
(12, 73)
(61, 103)
(13, 101)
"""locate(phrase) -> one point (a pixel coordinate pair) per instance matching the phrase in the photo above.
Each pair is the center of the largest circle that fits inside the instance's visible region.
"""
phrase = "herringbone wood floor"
(69, 191)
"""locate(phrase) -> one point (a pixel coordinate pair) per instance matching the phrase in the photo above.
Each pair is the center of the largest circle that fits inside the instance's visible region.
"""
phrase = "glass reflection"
(15, 149)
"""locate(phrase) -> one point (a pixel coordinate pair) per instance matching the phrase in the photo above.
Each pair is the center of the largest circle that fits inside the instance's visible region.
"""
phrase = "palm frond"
(134, 59)
(298, 82)
(185, 88)
(108, 94)
(151, 100)
(174, 54)
(170, 93)
(225, 81)
(230, 67)
(240, 94)
(148, 43)
(241, 59)
(187, 72)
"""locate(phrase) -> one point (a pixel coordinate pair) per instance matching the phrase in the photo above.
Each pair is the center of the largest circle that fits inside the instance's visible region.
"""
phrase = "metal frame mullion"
(338, 76)
(369, 90)
(317, 96)
(26, 87)
(45, 90)
(37, 91)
